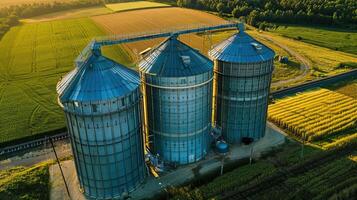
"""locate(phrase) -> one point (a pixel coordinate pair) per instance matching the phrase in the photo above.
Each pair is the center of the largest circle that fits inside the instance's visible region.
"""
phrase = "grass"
(25, 183)
(34, 58)
(336, 39)
(119, 7)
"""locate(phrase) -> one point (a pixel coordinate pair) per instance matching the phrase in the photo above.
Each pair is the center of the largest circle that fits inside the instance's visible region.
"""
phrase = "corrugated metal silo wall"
(179, 116)
(242, 99)
(107, 145)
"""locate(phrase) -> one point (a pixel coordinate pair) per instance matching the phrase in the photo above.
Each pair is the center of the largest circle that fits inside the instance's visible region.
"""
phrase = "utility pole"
(222, 164)
(59, 165)
(251, 154)
(303, 145)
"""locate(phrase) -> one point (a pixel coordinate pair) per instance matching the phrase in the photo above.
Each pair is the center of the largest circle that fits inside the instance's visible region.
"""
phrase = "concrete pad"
(58, 189)
(183, 174)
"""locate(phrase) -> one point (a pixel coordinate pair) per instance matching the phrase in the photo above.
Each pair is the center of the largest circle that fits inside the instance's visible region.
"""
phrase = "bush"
(32, 183)
(351, 65)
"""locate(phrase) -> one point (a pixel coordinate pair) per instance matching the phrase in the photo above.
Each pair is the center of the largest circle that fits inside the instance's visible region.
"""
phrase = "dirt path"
(304, 66)
(41, 154)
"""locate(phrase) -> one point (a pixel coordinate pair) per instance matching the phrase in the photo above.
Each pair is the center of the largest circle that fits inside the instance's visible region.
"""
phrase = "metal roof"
(241, 48)
(98, 79)
(173, 58)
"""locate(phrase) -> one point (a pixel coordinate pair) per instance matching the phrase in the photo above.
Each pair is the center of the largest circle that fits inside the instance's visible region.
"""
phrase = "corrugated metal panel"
(243, 72)
(101, 101)
(178, 102)
(241, 48)
(99, 79)
(168, 60)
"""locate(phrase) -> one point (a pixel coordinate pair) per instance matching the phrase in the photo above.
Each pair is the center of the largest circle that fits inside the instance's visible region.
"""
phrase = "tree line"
(322, 12)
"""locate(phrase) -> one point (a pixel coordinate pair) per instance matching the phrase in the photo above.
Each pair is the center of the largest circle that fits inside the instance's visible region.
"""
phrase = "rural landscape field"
(40, 40)
(321, 116)
(47, 61)
(6, 3)
(135, 6)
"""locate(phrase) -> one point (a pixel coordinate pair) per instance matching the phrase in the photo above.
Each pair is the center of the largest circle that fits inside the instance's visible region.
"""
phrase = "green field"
(34, 57)
(282, 174)
(119, 7)
(336, 39)
(70, 14)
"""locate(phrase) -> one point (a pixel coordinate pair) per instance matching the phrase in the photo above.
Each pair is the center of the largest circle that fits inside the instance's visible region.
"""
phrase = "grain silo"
(243, 71)
(177, 90)
(101, 101)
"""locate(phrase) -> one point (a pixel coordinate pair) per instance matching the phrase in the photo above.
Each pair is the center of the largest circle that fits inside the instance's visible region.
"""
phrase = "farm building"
(243, 71)
(178, 93)
(101, 101)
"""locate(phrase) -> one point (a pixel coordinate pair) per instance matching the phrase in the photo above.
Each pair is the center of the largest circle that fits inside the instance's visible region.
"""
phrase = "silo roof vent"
(186, 60)
(172, 58)
(241, 48)
(98, 79)
(257, 46)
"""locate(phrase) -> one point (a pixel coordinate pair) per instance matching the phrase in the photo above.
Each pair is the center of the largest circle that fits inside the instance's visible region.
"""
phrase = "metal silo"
(101, 101)
(177, 89)
(243, 71)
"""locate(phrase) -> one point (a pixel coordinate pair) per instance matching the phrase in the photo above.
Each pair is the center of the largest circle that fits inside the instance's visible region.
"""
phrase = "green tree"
(235, 12)
(220, 7)
(12, 20)
(180, 3)
(335, 17)
(253, 18)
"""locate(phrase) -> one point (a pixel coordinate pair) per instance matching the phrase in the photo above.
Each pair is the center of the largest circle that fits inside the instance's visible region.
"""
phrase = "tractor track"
(304, 62)
(30, 93)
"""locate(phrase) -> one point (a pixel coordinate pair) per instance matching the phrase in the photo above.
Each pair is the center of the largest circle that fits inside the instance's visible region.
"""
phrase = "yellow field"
(319, 115)
(118, 7)
(323, 60)
(5, 3)
(154, 20)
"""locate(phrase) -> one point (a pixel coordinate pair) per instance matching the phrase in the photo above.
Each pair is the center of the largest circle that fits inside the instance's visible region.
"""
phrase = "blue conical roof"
(173, 58)
(241, 48)
(99, 79)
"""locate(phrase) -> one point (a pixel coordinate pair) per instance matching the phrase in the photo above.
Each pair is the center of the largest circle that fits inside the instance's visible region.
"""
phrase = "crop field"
(324, 61)
(336, 39)
(283, 174)
(69, 14)
(321, 116)
(34, 57)
(118, 7)
(156, 20)
(5, 3)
